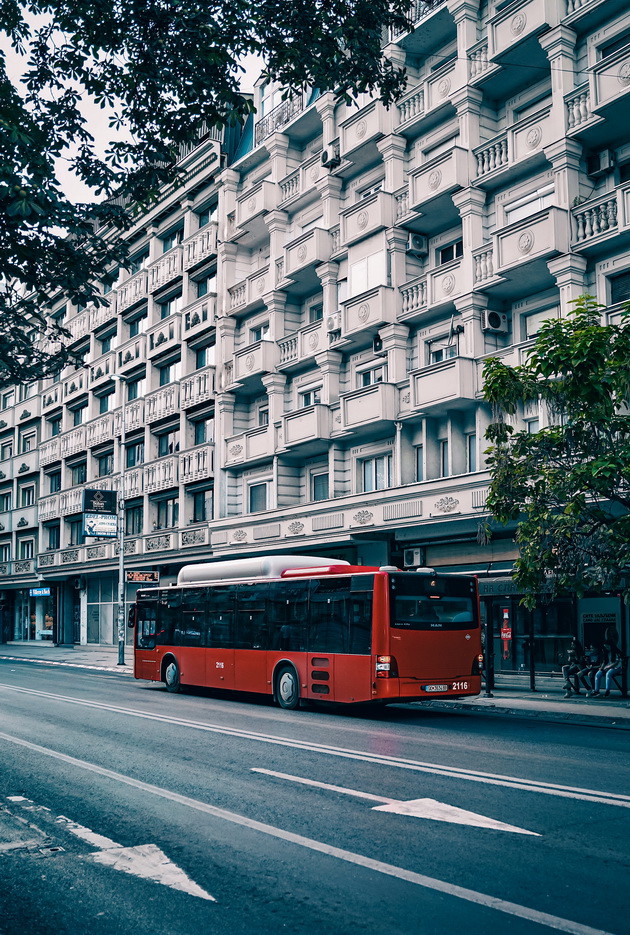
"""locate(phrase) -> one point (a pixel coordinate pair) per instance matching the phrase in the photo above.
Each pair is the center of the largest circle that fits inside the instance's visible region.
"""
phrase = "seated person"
(575, 662)
(610, 667)
(593, 657)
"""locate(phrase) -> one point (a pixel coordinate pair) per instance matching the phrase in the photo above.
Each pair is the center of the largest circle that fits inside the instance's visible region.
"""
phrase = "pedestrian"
(611, 664)
(575, 662)
(586, 675)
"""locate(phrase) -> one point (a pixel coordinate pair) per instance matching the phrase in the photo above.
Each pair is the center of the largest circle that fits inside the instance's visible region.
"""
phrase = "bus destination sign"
(143, 577)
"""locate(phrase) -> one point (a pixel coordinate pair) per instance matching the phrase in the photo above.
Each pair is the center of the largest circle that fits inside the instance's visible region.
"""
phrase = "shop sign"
(143, 577)
(39, 592)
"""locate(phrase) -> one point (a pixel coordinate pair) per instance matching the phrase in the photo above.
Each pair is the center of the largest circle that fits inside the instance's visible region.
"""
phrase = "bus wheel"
(171, 676)
(288, 688)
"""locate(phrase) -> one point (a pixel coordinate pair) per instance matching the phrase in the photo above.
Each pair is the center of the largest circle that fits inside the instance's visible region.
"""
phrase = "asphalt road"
(125, 809)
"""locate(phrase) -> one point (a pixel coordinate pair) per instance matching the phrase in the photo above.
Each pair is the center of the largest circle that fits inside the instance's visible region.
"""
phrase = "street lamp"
(121, 527)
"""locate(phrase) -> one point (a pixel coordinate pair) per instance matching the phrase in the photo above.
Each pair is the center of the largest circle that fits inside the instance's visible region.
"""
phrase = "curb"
(580, 720)
(119, 670)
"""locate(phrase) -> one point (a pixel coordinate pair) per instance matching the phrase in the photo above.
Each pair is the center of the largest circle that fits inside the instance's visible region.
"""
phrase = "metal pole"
(121, 536)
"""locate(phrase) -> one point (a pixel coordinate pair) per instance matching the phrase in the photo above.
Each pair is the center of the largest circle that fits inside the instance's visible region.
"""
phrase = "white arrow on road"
(145, 860)
(417, 808)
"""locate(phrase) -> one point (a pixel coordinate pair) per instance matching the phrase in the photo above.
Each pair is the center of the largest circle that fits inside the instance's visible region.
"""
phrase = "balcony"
(595, 222)
(369, 409)
(201, 246)
(446, 282)
(367, 217)
(134, 482)
(432, 184)
(248, 293)
(413, 299)
(541, 236)
(161, 474)
(52, 396)
(298, 188)
(278, 118)
(520, 22)
(197, 388)
(513, 150)
(99, 431)
(436, 27)
(23, 566)
(255, 360)
(362, 130)
(366, 312)
(448, 385)
(134, 417)
(131, 353)
(50, 451)
(48, 508)
(197, 464)
(133, 290)
(102, 369)
(72, 441)
(166, 269)
(610, 87)
(256, 201)
(164, 337)
(247, 447)
(301, 346)
(71, 501)
(74, 386)
(309, 427)
(304, 254)
(199, 316)
(162, 403)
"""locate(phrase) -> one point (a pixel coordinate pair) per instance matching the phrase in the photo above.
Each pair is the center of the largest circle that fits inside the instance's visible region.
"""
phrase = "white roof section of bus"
(269, 566)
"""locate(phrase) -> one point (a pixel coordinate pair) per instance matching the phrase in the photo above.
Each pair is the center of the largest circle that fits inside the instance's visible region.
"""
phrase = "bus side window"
(329, 618)
(361, 623)
(251, 616)
(168, 614)
(145, 633)
(221, 607)
(287, 611)
(193, 617)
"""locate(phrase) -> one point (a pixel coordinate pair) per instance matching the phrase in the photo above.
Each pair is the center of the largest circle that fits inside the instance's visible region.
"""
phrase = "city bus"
(303, 628)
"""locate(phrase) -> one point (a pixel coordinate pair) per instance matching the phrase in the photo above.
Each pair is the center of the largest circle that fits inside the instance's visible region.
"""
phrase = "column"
(569, 271)
(224, 403)
(392, 149)
(559, 44)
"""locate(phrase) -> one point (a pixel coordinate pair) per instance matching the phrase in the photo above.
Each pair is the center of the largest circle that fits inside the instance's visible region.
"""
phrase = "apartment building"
(299, 342)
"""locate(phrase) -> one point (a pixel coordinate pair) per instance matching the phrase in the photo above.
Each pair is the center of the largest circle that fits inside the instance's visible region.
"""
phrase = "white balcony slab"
(450, 384)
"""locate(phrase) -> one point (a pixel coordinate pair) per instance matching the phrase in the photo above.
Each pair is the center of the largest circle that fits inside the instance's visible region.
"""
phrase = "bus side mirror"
(131, 619)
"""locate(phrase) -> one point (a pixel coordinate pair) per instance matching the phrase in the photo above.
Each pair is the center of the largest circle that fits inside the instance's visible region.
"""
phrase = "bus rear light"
(386, 667)
(477, 665)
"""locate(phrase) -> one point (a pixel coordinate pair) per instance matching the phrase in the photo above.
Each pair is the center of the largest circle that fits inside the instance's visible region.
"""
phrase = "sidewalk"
(509, 698)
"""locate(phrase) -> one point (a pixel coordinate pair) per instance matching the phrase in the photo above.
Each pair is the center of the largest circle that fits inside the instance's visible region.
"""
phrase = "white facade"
(303, 336)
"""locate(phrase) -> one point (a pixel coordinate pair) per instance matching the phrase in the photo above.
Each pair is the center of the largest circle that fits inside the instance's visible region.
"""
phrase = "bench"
(619, 679)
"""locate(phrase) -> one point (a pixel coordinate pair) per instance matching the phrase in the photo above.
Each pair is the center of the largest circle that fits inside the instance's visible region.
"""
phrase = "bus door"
(220, 633)
(251, 638)
(189, 635)
(146, 661)
(287, 625)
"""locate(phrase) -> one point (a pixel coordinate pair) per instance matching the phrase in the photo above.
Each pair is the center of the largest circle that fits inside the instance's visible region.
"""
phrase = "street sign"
(143, 577)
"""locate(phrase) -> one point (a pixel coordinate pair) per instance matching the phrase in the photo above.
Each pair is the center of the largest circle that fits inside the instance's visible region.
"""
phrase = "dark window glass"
(193, 617)
(425, 603)
(287, 608)
(329, 629)
(146, 626)
(620, 288)
(168, 613)
(221, 609)
(251, 616)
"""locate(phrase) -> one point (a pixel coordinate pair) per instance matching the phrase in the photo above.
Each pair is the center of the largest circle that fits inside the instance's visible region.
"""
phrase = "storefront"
(29, 614)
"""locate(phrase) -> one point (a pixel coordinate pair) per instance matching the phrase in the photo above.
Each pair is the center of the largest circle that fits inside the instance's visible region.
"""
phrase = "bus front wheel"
(171, 676)
(288, 688)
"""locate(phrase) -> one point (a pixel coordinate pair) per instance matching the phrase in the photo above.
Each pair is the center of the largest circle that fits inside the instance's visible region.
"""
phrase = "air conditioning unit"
(377, 346)
(413, 558)
(600, 163)
(418, 244)
(333, 322)
(495, 322)
(331, 158)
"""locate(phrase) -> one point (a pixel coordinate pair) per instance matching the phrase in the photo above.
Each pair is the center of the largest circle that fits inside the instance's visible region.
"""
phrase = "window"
(270, 97)
(8, 399)
(5, 552)
(104, 402)
(78, 415)
(529, 204)
(28, 441)
(471, 452)
(53, 536)
(257, 494)
(135, 454)
(206, 285)
(342, 292)
(371, 190)
(137, 325)
(376, 473)
(170, 306)
(27, 495)
(310, 397)
(6, 450)
(204, 356)
(165, 374)
(26, 391)
(75, 532)
(26, 548)
(202, 506)
(620, 288)
(533, 426)
(168, 443)
(441, 350)
(79, 473)
(135, 389)
(5, 501)
(171, 240)
(54, 481)
(54, 426)
(315, 313)
(368, 273)
(373, 375)
(452, 251)
(420, 462)
(134, 520)
(615, 46)
(534, 321)
(109, 280)
(105, 464)
(444, 467)
(203, 431)
(319, 486)
(106, 344)
(167, 513)
(259, 332)
(206, 215)
(138, 262)
(262, 415)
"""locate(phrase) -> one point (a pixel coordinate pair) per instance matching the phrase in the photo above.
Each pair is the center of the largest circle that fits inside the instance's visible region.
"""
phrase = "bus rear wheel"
(171, 676)
(287, 688)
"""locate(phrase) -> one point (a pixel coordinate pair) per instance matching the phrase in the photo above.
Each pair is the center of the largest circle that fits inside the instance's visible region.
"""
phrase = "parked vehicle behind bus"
(302, 628)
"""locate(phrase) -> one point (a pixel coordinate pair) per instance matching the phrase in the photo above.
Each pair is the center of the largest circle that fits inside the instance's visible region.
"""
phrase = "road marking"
(410, 876)
(416, 808)
(453, 772)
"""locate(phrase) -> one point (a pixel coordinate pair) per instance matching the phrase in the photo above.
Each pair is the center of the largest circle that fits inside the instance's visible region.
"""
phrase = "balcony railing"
(278, 117)
(197, 464)
(164, 402)
(578, 105)
(599, 216)
(161, 474)
(419, 10)
(200, 246)
(197, 388)
(165, 269)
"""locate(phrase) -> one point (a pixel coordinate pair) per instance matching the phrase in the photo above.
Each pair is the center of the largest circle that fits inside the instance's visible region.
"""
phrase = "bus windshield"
(426, 603)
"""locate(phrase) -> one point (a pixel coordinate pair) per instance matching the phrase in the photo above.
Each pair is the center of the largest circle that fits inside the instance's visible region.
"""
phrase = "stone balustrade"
(492, 156)
(578, 105)
(595, 218)
(414, 296)
(484, 265)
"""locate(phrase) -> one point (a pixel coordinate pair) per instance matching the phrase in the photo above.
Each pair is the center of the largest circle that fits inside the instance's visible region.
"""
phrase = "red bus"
(300, 628)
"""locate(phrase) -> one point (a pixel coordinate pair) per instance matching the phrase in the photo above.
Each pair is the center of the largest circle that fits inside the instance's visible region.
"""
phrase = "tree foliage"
(567, 486)
(163, 68)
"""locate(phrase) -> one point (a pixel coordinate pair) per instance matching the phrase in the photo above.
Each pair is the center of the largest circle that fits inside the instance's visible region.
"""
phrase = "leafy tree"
(567, 486)
(163, 68)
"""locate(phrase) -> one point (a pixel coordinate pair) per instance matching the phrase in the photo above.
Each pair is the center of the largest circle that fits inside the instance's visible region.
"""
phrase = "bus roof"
(268, 566)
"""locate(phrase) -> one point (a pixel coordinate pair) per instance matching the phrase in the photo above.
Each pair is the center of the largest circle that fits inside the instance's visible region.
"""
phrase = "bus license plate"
(436, 688)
